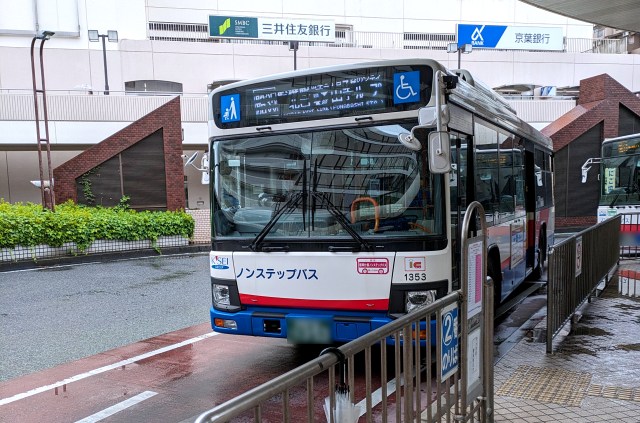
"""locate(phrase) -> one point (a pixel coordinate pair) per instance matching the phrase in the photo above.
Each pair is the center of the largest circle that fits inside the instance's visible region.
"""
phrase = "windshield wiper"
(335, 212)
(289, 206)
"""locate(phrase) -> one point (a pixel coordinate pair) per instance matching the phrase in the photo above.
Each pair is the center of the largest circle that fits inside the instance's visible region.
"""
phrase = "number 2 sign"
(449, 342)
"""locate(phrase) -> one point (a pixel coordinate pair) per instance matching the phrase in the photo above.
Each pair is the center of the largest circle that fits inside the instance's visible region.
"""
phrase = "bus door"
(458, 200)
(532, 176)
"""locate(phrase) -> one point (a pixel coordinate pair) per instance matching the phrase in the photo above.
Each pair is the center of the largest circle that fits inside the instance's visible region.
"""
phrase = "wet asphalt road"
(53, 315)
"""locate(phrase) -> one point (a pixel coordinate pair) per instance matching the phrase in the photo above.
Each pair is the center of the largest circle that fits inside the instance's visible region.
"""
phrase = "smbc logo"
(225, 25)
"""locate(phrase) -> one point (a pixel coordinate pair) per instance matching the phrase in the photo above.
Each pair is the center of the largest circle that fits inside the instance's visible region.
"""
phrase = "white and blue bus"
(336, 195)
(620, 187)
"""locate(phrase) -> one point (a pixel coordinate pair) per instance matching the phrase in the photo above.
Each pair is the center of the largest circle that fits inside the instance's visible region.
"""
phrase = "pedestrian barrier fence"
(629, 283)
(577, 265)
(433, 364)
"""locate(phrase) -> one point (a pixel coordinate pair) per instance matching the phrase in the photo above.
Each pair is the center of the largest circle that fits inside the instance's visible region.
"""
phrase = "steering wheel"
(265, 199)
(375, 210)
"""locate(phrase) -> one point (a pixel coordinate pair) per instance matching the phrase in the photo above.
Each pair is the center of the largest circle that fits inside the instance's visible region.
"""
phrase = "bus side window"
(486, 168)
(541, 166)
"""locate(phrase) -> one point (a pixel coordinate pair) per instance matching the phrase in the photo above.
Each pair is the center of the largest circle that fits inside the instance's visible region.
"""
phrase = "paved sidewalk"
(593, 374)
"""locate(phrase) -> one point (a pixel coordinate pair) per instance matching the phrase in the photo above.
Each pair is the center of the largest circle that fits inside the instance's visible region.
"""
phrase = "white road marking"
(376, 396)
(105, 368)
(110, 411)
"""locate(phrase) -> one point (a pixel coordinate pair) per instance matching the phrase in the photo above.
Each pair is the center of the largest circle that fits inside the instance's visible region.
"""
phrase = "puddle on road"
(627, 307)
(590, 331)
(577, 350)
(174, 275)
(629, 347)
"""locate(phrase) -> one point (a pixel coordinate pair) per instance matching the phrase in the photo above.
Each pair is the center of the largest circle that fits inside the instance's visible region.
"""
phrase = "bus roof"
(621, 138)
(326, 69)
(469, 93)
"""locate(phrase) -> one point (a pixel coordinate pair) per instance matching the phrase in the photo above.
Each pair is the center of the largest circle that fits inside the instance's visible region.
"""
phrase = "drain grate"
(547, 385)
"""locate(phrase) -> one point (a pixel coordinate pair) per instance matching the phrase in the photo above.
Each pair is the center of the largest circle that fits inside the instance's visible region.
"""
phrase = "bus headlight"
(221, 294)
(416, 299)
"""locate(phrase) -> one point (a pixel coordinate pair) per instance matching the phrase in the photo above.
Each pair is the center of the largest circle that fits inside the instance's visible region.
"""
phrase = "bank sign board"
(279, 29)
(511, 37)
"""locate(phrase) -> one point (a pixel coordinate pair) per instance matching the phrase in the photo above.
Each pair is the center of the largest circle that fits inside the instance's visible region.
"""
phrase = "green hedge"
(29, 225)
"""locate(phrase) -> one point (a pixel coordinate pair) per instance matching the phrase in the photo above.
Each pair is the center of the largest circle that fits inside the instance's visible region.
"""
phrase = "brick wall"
(166, 117)
(202, 232)
(575, 221)
(599, 103)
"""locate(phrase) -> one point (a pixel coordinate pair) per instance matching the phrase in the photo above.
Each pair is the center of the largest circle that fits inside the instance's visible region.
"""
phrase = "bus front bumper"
(300, 326)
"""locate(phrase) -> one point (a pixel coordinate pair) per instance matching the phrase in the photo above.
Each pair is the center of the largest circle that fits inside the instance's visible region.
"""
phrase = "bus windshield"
(620, 179)
(354, 183)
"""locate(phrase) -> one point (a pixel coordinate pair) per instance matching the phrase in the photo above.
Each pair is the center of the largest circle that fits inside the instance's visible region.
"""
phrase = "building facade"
(163, 49)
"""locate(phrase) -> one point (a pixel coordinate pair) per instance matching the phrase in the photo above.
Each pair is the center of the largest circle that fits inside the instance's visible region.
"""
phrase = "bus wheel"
(542, 255)
(494, 271)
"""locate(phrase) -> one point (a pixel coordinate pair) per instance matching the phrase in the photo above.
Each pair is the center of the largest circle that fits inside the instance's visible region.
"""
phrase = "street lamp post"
(45, 185)
(464, 48)
(293, 45)
(112, 36)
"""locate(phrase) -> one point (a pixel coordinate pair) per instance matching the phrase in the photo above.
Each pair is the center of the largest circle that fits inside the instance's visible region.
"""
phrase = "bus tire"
(542, 254)
(495, 272)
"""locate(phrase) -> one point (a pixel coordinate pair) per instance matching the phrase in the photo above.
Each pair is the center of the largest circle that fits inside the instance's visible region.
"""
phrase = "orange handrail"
(375, 210)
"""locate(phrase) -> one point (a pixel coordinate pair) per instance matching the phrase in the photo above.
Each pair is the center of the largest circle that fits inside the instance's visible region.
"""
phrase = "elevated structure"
(621, 14)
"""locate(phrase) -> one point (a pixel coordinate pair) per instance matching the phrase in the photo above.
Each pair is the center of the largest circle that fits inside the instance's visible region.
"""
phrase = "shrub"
(29, 224)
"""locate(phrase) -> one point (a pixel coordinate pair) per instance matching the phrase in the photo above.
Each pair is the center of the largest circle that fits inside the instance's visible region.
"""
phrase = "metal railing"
(99, 108)
(629, 240)
(117, 107)
(440, 367)
(577, 265)
(197, 32)
(307, 392)
(20, 254)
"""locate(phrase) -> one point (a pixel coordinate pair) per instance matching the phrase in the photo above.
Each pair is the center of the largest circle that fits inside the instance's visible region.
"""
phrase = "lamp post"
(464, 48)
(112, 36)
(45, 185)
(293, 46)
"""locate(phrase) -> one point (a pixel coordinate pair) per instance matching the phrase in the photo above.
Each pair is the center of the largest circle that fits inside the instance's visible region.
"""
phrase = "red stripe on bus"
(505, 263)
(258, 300)
(627, 273)
(630, 228)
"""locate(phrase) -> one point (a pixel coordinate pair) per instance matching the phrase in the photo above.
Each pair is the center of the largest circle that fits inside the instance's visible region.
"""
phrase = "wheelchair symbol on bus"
(406, 87)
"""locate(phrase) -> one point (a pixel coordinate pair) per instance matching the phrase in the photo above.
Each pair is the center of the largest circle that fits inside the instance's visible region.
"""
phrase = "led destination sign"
(630, 146)
(323, 96)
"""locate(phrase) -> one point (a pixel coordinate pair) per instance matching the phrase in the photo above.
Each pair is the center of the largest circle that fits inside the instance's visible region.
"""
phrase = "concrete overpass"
(619, 14)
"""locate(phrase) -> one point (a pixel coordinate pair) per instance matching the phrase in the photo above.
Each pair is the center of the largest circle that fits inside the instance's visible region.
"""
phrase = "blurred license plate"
(308, 331)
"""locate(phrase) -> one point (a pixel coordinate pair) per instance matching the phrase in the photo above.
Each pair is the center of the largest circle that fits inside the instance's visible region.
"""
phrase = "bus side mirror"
(439, 152)
(587, 165)
(585, 171)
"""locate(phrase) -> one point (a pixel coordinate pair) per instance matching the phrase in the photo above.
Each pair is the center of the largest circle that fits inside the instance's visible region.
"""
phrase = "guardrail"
(117, 107)
(303, 394)
(440, 367)
(577, 265)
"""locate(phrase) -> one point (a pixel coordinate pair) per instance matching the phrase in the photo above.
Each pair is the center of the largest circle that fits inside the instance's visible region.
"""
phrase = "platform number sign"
(578, 256)
(449, 342)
